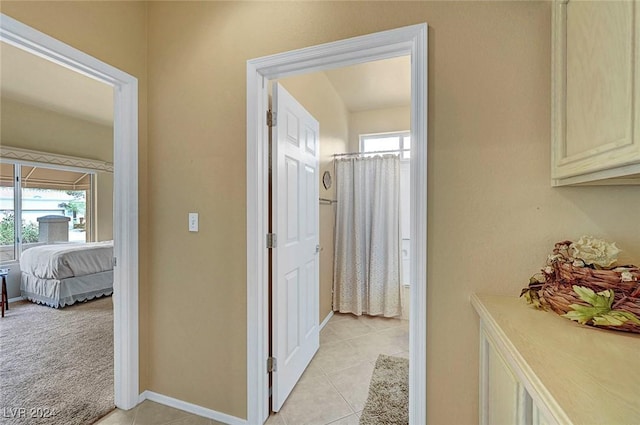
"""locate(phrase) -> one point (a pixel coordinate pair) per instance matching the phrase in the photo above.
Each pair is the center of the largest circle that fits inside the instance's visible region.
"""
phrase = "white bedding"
(62, 292)
(60, 261)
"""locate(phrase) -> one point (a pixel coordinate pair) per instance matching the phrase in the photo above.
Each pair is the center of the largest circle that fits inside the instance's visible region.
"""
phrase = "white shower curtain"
(367, 242)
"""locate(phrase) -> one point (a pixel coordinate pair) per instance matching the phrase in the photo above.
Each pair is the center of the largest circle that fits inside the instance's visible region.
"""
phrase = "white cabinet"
(537, 368)
(503, 398)
(537, 418)
(595, 92)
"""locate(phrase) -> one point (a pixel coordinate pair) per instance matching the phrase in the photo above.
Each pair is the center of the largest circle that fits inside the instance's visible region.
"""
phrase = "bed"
(59, 275)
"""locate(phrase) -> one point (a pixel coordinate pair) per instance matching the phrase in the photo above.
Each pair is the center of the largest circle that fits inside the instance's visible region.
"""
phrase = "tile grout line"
(348, 342)
(353, 412)
(339, 392)
(372, 329)
(345, 400)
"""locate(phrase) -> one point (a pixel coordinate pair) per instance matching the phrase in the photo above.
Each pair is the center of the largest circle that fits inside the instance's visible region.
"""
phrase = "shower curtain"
(367, 258)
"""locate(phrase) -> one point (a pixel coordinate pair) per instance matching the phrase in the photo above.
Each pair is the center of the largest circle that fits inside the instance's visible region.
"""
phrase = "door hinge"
(272, 240)
(272, 118)
(272, 364)
(115, 261)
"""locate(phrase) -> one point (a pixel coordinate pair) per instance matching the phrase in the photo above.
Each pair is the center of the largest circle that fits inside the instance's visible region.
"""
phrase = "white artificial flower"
(552, 257)
(626, 276)
(594, 251)
(578, 263)
(548, 270)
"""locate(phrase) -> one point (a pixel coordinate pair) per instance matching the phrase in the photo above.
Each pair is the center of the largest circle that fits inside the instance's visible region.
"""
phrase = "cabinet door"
(503, 399)
(595, 116)
(538, 418)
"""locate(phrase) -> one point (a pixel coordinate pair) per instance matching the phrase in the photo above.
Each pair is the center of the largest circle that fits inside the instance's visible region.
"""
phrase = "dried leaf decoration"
(531, 292)
(599, 312)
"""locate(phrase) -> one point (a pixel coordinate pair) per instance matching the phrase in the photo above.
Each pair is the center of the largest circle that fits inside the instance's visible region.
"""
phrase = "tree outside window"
(30, 230)
(76, 206)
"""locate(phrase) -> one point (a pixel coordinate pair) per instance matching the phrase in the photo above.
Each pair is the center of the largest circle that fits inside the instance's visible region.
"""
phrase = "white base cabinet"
(538, 418)
(537, 368)
(503, 398)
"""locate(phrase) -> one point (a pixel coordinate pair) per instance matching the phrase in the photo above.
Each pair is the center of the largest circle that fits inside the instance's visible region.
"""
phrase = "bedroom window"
(387, 142)
(7, 213)
(53, 205)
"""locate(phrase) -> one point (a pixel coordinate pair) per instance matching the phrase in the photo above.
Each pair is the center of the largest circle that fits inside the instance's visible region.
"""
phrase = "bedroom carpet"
(56, 365)
(388, 401)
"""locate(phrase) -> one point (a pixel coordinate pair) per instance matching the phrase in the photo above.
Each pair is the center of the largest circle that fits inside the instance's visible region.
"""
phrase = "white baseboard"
(12, 300)
(326, 320)
(191, 408)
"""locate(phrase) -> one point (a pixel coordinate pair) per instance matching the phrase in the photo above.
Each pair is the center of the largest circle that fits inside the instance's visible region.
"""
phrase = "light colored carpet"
(388, 400)
(56, 365)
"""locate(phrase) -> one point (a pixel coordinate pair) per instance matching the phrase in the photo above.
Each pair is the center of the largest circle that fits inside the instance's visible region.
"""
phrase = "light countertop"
(583, 375)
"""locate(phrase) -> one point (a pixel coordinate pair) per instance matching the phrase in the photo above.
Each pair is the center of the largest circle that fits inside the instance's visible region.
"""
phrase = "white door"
(295, 297)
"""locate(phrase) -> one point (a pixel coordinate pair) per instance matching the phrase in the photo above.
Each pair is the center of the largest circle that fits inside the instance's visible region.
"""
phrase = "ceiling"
(29, 79)
(374, 85)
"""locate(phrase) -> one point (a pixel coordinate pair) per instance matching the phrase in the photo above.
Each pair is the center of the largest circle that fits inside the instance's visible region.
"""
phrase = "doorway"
(350, 103)
(125, 185)
(403, 41)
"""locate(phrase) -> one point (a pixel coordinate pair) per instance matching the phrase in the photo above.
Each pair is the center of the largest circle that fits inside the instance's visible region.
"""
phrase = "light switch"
(193, 222)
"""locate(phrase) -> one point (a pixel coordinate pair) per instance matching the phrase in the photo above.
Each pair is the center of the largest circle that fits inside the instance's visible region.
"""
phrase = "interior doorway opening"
(125, 186)
(364, 118)
(404, 41)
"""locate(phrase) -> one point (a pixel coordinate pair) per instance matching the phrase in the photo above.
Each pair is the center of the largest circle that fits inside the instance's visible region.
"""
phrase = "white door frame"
(411, 40)
(125, 225)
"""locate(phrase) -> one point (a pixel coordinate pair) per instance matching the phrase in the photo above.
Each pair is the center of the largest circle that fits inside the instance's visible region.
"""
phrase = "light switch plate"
(193, 222)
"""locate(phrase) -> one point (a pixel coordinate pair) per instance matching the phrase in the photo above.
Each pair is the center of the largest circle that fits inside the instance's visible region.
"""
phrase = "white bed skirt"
(62, 292)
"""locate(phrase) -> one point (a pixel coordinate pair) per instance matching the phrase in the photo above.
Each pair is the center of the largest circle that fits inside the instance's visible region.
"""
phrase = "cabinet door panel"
(503, 391)
(595, 91)
(599, 75)
(538, 417)
(503, 399)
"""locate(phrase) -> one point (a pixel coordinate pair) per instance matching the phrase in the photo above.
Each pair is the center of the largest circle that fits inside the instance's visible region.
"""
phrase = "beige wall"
(492, 213)
(29, 127)
(104, 206)
(377, 121)
(317, 95)
(114, 32)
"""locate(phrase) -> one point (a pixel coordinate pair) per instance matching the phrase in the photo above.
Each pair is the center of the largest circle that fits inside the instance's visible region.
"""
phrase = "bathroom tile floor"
(333, 389)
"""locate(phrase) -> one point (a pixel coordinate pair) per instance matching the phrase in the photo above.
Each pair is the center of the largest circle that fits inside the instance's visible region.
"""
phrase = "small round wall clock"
(326, 179)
